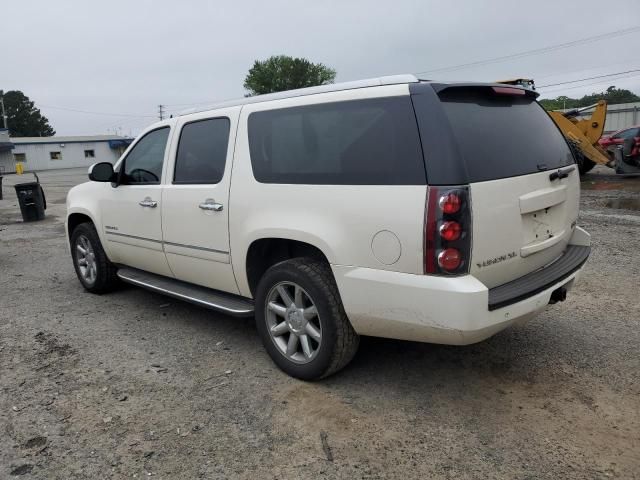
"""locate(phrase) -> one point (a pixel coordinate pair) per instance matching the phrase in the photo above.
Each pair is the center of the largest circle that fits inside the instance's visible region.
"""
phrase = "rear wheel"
(301, 320)
(94, 270)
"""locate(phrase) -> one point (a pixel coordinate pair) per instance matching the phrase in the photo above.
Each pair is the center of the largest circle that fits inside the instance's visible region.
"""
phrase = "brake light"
(450, 230)
(508, 91)
(447, 231)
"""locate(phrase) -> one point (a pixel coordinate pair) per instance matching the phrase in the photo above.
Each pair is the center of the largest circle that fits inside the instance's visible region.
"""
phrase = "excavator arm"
(584, 133)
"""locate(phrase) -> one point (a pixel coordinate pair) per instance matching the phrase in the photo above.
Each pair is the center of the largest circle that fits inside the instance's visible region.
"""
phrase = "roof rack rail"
(333, 87)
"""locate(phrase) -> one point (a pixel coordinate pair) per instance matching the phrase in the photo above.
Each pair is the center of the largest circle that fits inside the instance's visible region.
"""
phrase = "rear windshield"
(359, 142)
(500, 136)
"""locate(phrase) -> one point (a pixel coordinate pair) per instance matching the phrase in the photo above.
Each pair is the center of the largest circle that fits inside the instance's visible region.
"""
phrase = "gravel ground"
(132, 384)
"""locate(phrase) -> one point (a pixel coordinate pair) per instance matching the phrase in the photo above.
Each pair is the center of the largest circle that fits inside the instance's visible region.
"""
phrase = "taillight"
(450, 230)
(447, 231)
(450, 203)
(449, 259)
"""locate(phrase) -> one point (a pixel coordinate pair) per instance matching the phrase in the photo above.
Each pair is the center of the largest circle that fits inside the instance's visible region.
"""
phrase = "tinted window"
(202, 151)
(501, 136)
(362, 142)
(143, 164)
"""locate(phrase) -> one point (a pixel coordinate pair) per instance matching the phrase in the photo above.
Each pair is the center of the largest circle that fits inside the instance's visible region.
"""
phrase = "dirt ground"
(133, 385)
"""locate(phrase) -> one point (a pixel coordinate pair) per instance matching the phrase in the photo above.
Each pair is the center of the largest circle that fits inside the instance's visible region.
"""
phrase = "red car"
(609, 142)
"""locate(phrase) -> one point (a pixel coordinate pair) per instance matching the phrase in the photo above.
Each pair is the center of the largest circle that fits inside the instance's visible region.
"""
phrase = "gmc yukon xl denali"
(392, 207)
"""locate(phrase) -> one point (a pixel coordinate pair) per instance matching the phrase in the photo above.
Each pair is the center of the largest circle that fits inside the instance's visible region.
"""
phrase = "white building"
(48, 153)
(6, 147)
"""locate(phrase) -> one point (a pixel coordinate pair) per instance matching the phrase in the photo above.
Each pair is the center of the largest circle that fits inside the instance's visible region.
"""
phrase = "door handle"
(147, 202)
(211, 205)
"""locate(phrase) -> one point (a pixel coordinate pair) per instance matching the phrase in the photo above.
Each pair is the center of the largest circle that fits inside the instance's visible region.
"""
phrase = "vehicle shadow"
(536, 353)
(531, 356)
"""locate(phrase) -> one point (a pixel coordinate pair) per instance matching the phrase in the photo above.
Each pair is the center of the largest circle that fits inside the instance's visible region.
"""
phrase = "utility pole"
(161, 112)
(4, 115)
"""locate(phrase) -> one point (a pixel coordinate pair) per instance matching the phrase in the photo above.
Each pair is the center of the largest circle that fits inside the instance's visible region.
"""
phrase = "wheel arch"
(76, 218)
(266, 252)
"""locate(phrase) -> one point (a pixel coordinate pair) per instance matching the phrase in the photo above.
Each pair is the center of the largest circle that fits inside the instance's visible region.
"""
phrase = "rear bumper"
(536, 282)
(453, 311)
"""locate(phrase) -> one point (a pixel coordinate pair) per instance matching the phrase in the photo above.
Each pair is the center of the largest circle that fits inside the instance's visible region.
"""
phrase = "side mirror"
(101, 172)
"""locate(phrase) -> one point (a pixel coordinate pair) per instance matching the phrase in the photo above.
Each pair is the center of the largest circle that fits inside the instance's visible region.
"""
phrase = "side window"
(359, 142)
(143, 164)
(202, 152)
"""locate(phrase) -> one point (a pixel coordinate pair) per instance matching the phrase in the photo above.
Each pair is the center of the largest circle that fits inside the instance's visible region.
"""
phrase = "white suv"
(392, 207)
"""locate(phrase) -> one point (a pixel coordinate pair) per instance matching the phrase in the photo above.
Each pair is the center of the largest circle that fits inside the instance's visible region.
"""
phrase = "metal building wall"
(38, 154)
(620, 116)
(7, 165)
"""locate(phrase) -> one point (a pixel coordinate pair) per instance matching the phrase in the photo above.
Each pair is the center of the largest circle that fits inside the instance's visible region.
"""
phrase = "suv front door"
(195, 214)
(131, 212)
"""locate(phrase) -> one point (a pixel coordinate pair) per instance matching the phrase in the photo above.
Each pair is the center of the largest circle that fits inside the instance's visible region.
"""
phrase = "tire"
(104, 278)
(585, 165)
(316, 286)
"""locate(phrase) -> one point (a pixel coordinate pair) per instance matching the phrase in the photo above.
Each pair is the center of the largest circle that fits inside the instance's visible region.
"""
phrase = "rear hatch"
(503, 144)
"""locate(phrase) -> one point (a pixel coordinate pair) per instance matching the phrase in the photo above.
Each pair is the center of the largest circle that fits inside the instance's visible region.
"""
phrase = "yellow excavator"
(582, 134)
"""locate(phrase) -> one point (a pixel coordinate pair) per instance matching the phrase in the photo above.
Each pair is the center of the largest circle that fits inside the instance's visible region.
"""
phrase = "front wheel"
(94, 270)
(301, 320)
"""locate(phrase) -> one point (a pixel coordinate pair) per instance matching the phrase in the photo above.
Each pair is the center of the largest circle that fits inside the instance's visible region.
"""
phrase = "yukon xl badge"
(493, 261)
(109, 227)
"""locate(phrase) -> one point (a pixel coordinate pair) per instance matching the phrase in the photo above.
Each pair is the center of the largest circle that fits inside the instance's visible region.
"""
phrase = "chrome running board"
(205, 297)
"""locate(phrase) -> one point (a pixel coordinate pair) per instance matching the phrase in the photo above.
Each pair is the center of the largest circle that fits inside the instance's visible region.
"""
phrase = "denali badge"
(109, 227)
(493, 261)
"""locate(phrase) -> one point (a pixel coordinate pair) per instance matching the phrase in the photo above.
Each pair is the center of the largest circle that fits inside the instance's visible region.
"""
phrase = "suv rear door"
(195, 215)
(500, 142)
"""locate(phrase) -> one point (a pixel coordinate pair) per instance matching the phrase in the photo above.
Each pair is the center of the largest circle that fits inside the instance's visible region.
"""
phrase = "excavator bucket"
(583, 134)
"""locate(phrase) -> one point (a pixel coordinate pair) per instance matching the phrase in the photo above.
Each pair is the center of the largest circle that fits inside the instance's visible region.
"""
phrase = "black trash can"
(32, 202)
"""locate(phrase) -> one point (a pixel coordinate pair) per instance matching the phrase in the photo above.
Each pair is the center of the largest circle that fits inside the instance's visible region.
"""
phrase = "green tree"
(24, 119)
(281, 72)
(612, 95)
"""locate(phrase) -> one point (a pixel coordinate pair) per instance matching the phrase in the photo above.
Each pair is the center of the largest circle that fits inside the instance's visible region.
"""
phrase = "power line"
(589, 78)
(558, 73)
(599, 82)
(94, 113)
(537, 51)
(189, 104)
(130, 122)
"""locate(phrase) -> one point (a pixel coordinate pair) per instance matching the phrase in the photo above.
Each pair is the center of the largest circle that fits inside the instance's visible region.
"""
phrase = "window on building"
(20, 157)
(202, 151)
(89, 154)
(55, 155)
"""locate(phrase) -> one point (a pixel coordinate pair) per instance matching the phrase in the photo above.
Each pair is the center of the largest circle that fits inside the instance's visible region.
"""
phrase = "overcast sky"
(123, 58)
